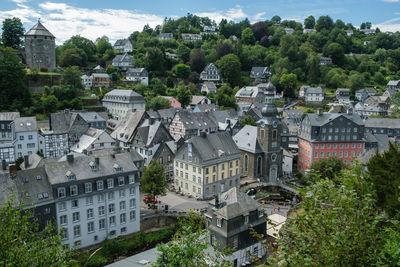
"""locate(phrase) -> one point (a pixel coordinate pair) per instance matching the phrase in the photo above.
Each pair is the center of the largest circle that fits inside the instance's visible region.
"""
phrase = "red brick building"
(325, 135)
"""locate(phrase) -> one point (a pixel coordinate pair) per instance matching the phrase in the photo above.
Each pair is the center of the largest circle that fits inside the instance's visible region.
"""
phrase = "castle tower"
(40, 47)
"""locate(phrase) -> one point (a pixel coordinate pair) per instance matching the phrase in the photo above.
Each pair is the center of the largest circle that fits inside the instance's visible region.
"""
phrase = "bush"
(97, 260)
(113, 248)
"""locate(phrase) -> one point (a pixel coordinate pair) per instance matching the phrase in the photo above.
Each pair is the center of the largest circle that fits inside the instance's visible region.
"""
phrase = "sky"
(117, 19)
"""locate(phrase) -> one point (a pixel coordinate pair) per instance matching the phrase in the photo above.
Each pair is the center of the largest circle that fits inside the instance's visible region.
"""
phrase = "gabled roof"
(210, 85)
(209, 65)
(259, 71)
(320, 120)
(207, 107)
(122, 58)
(121, 42)
(126, 129)
(8, 116)
(235, 203)
(382, 123)
(168, 112)
(196, 99)
(39, 30)
(197, 120)
(87, 139)
(246, 139)
(101, 75)
(222, 115)
(394, 83)
(153, 133)
(314, 90)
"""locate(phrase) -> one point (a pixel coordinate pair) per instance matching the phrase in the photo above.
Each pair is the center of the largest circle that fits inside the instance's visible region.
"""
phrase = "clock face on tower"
(275, 124)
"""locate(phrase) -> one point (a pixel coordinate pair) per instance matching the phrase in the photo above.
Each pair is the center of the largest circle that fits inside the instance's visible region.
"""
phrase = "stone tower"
(269, 135)
(40, 48)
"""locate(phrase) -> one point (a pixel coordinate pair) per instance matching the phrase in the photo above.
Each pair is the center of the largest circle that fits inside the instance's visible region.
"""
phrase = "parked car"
(251, 191)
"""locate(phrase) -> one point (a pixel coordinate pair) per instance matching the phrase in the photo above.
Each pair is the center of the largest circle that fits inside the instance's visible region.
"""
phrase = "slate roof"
(168, 112)
(196, 99)
(207, 107)
(8, 116)
(88, 138)
(91, 116)
(246, 139)
(126, 129)
(122, 58)
(100, 75)
(222, 115)
(382, 123)
(40, 30)
(314, 90)
(60, 122)
(139, 72)
(248, 91)
(123, 96)
(236, 203)
(394, 83)
(8, 189)
(80, 168)
(196, 120)
(211, 146)
(319, 120)
(121, 42)
(25, 124)
(210, 85)
(293, 113)
(259, 72)
(151, 134)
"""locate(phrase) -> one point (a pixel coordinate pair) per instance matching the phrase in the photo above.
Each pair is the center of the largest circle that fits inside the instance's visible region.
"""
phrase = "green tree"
(181, 71)
(23, 244)
(289, 84)
(153, 179)
(225, 97)
(71, 57)
(384, 173)
(276, 19)
(183, 95)
(102, 45)
(50, 103)
(229, 69)
(157, 103)
(13, 87)
(336, 52)
(324, 23)
(248, 36)
(197, 60)
(326, 168)
(289, 47)
(337, 225)
(248, 120)
(154, 59)
(356, 81)
(85, 44)
(72, 78)
(309, 22)
(13, 32)
(183, 52)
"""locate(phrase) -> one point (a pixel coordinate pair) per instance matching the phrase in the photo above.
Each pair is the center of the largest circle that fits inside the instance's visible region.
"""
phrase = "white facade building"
(53, 144)
(92, 140)
(26, 136)
(119, 102)
(87, 81)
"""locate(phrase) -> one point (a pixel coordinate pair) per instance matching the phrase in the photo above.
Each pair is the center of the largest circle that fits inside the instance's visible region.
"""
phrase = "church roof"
(39, 29)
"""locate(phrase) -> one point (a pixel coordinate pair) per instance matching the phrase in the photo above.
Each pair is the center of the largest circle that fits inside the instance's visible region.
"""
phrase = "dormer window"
(70, 176)
(61, 192)
(73, 190)
(93, 166)
(117, 168)
(260, 213)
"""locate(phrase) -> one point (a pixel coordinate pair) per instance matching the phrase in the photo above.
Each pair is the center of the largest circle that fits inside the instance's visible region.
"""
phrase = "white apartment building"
(119, 102)
(26, 136)
(53, 143)
(95, 198)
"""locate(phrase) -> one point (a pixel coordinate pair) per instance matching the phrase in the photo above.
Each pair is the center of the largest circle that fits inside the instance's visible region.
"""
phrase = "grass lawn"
(329, 92)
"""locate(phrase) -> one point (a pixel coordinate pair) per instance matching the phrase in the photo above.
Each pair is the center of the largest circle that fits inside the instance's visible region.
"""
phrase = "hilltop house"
(259, 74)
(123, 45)
(209, 88)
(119, 102)
(100, 80)
(165, 36)
(124, 61)
(138, 75)
(210, 73)
(343, 95)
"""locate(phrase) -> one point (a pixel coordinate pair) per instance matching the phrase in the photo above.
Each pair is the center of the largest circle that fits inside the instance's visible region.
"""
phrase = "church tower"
(269, 135)
(40, 48)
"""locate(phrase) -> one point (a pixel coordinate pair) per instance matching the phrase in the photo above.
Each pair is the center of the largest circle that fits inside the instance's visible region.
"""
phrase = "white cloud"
(259, 16)
(64, 20)
(234, 14)
(391, 1)
(391, 25)
(20, 3)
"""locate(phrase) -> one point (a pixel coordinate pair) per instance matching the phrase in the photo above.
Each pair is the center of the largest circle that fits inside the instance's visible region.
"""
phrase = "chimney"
(349, 111)
(70, 158)
(203, 134)
(13, 170)
(4, 165)
(97, 161)
(319, 111)
(85, 152)
(26, 161)
(217, 201)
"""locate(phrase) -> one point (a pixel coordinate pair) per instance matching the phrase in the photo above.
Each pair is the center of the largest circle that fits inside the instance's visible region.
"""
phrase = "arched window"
(259, 166)
(246, 162)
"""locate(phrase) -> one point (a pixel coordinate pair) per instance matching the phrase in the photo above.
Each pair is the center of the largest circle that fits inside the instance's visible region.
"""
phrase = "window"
(328, 154)
(89, 200)
(61, 192)
(89, 213)
(346, 154)
(321, 155)
(122, 205)
(206, 170)
(101, 210)
(359, 145)
(63, 220)
(111, 208)
(64, 234)
(112, 221)
(100, 198)
(100, 185)
(347, 145)
(62, 206)
(122, 218)
(75, 216)
(219, 222)
(246, 163)
(132, 191)
(90, 227)
(121, 181)
(334, 145)
(132, 203)
(316, 155)
(132, 216)
(77, 230)
(110, 195)
(21, 137)
(74, 203)
(110, 183)
(102, 224)
(246, 219)
(131, 179)
(88, 187)
(122, 193)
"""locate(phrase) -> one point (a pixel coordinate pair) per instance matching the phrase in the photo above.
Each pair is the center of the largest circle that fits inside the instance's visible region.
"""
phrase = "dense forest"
(359, 60)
